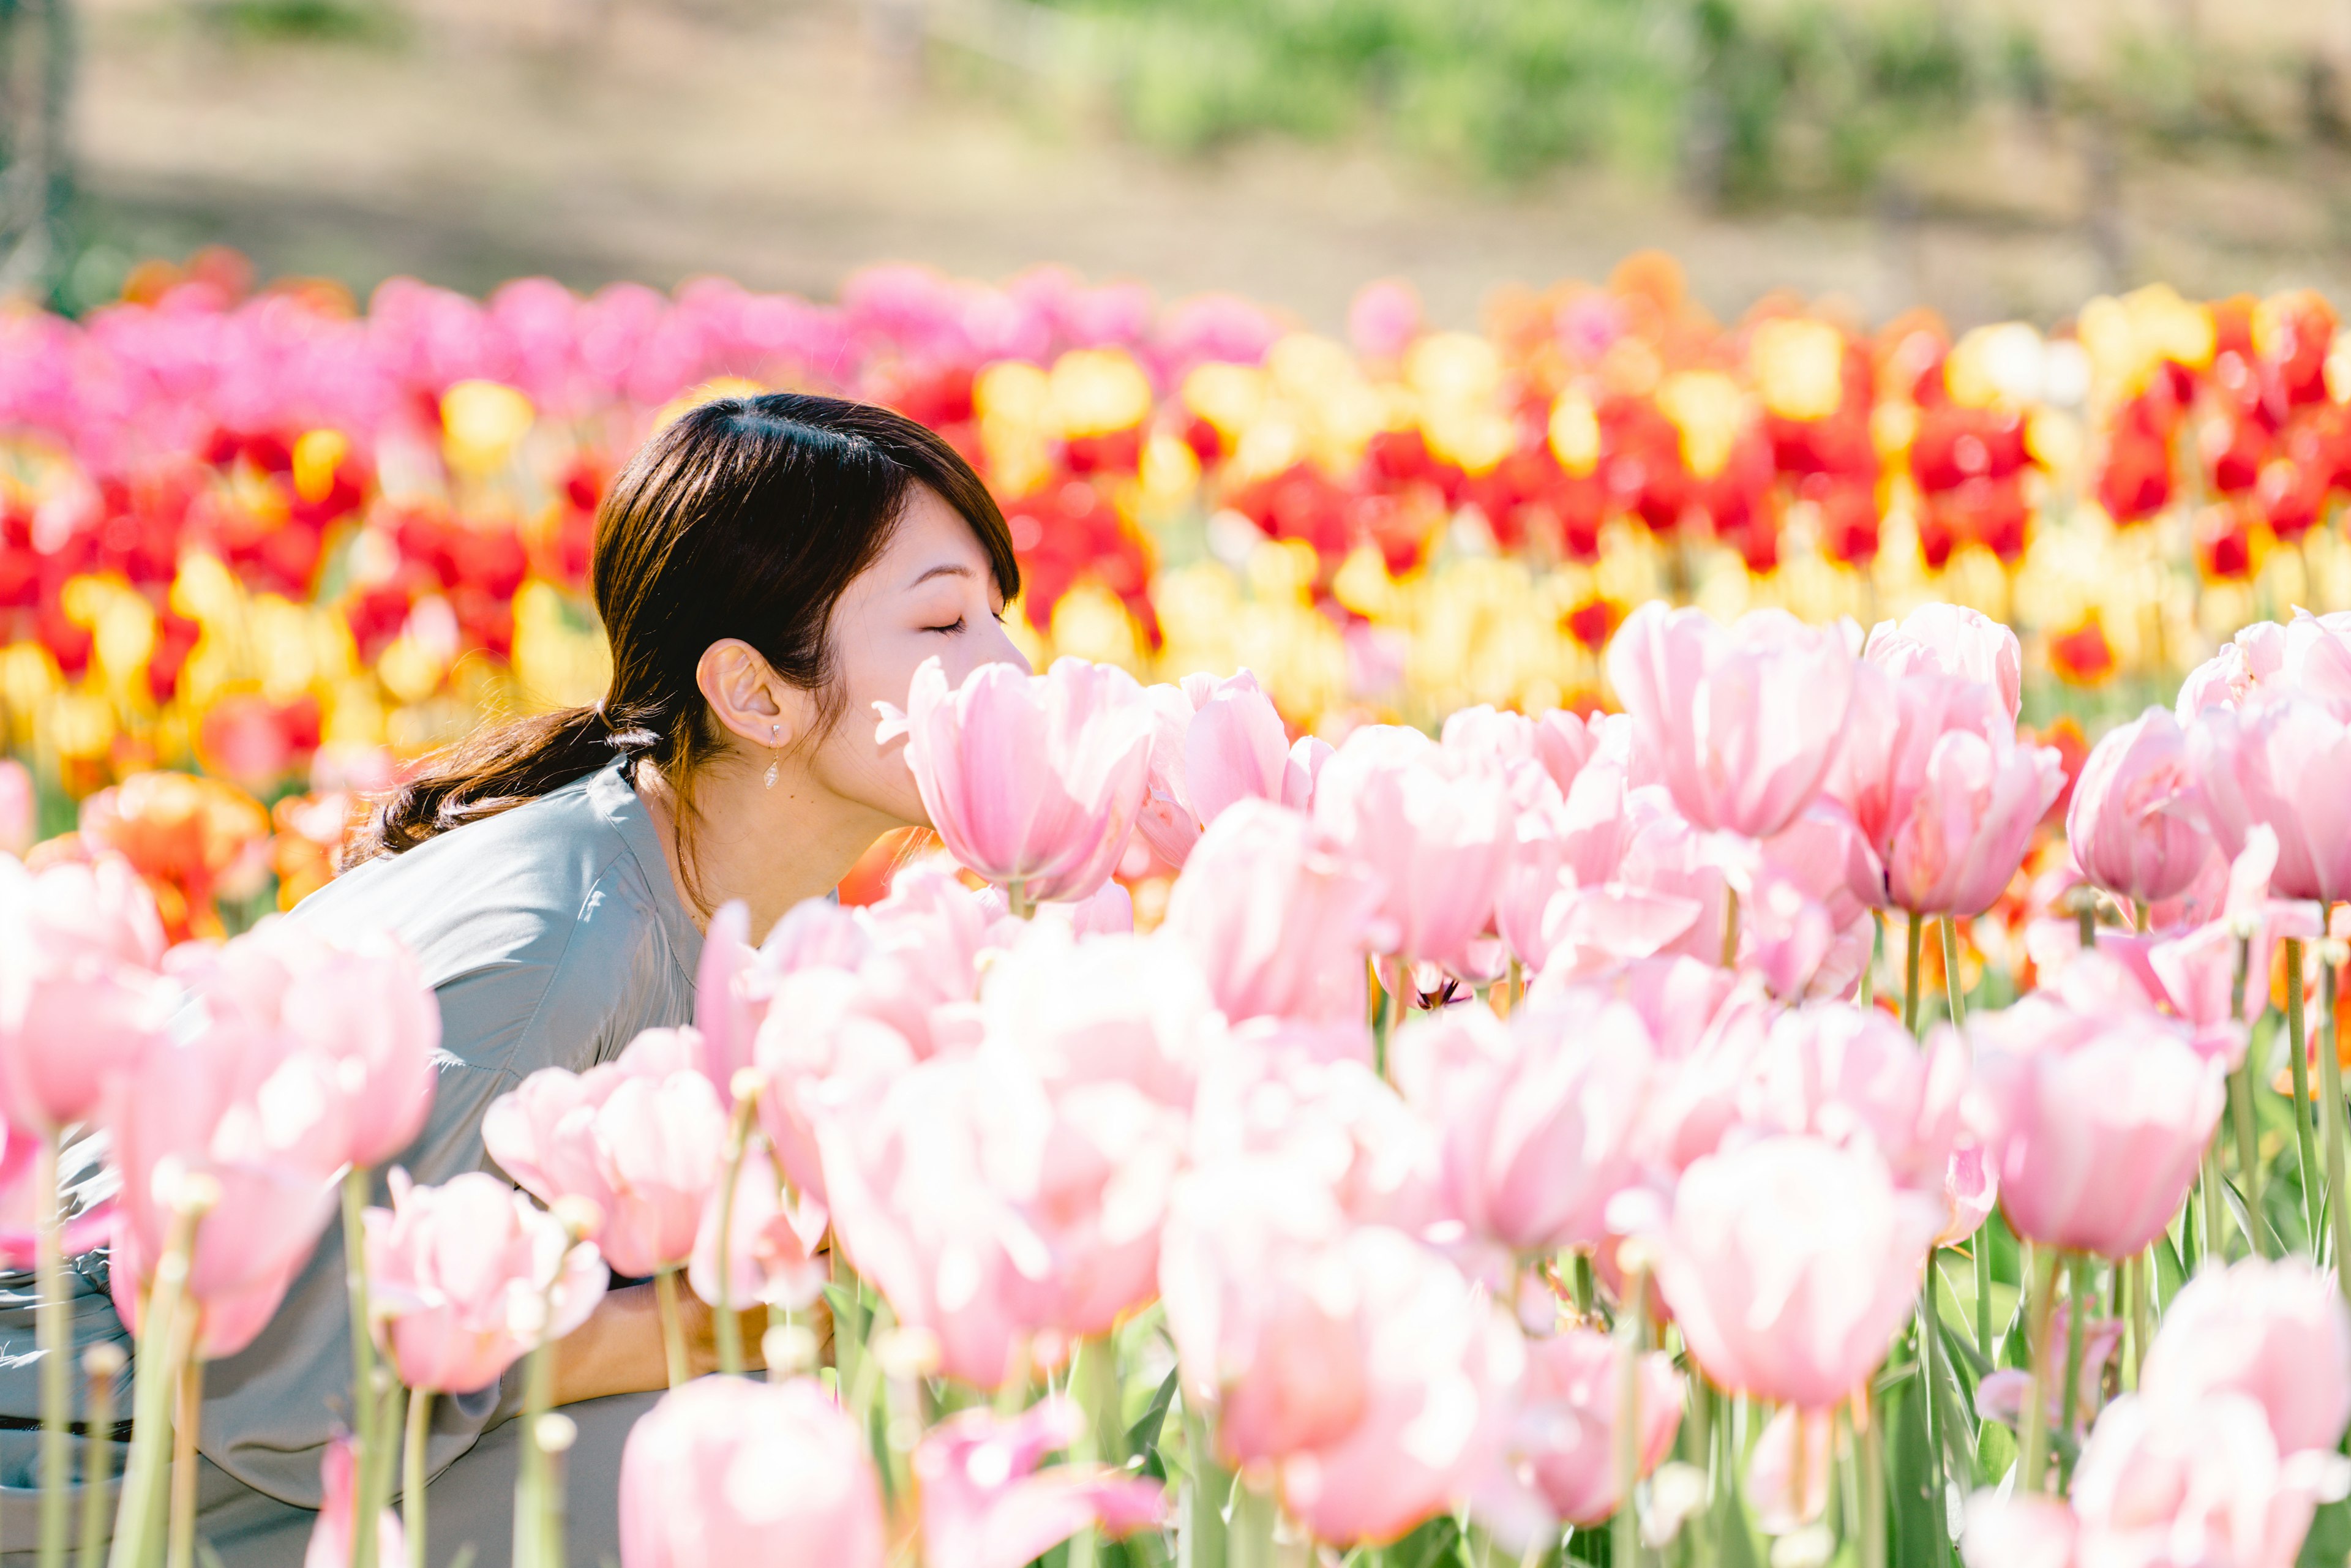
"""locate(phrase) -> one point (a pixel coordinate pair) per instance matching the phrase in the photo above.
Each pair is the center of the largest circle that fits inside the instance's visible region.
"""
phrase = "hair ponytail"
(743, 517)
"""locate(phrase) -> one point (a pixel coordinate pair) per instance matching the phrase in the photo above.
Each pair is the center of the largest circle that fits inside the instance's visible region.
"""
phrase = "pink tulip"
(1537, 1117)
(730, 990)
(1790, 1263)
(1276, 917)
(1854, 1076)
(79, 999)
(986, 1503)
(1216, 742)
(723, 1471)
(1568, 1414)
(1108, 1009)
(247, 1110)
(1938, 784)
(19, 808)
(1742, 720)
(2135, 824)
(2252, 662)
(2018, 1530)
(822, 1050)
(331, 1537)
(992, 1211)
(2000, 1395)
(1384, 318)
(1109, 912)
(2099, 1118)
(2317, 657)
(642, 1138)
(772, 1246)
(1033, 780)
(1563, 743)
(1267, 1331)
(1952, 640)
(461, 1277)
(1788, 1474)
(1971, 1192)
(1436, 832)
(2275, 1331)
(100, 908)
(2186, 1483)
(1331, 1120)
(925, 939)
(2272, 763)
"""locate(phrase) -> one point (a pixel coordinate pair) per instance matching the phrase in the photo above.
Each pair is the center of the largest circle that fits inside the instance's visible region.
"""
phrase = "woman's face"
(930, 594)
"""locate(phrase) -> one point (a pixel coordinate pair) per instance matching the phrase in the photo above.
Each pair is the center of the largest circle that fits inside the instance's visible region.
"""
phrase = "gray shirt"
(551, 934)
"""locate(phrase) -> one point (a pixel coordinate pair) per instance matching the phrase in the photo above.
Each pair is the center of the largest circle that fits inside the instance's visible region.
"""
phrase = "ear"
(748, 699)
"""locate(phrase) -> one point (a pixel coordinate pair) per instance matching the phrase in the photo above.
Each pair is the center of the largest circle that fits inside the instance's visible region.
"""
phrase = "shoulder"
(543, 929)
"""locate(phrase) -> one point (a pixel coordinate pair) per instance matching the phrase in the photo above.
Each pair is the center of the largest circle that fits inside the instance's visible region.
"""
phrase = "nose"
(1002, 649)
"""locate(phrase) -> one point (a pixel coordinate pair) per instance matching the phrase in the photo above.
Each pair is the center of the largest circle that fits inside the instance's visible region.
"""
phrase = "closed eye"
(948, 630)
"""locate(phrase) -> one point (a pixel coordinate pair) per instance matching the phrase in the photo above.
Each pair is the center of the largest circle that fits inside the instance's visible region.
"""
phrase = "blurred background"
(1393, 350)
(1986, 158)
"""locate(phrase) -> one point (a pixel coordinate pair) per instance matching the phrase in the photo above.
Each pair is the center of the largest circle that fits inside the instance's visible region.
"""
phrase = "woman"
(765, 569)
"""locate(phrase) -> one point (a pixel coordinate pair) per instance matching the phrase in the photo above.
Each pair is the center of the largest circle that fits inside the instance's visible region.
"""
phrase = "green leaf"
(1918, 1531)
(1144, 1434)
(1427, 1546)
(1995, 1453)
(2328, 1544)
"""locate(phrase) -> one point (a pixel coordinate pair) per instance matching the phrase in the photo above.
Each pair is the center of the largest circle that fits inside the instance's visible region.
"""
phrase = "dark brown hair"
(746, 516)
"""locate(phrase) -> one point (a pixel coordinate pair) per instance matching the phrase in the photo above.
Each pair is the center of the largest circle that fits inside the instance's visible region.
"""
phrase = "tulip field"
(1614, 940)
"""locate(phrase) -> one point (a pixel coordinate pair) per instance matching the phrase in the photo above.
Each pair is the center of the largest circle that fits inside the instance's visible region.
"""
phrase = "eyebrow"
(946, 570)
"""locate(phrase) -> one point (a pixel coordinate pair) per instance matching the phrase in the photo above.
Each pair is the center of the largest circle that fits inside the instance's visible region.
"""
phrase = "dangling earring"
(774, 730)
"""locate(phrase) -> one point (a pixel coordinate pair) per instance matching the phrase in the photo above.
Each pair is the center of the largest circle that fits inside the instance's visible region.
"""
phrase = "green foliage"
(337, 21)
(1745, 99)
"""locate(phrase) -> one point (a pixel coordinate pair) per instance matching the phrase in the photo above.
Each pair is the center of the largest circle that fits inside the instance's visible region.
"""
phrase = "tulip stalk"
(1625, 1546)
(1871, 1462)
(2330, 1078)
(1910, 974)
(738, 1139)
(167, 1336)
(672, 1325)
(190, 1400)
(413, 1478)
(2077, 1267)
(2305, 1150)
(2243, 1108)
(53, 1334)
(1206, 1487)
(101, 1364)
(363, 1389)
(2033, 1461)
(1953, 996)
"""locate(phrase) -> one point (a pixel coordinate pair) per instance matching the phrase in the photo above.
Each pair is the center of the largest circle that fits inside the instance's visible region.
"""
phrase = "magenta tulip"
(1438, 833)
(2135, 824)
(2273, 763)
(2099, 1117)
(1790, 1263)
(1275, 916)
(1570, 1407)
(1744, 720)
(2275, 1331)
(723, 1471)
(461, 1280)
(1034, 781)
(986, 1503)
(642, 1138)
(1538, 1117)
(1952, 640)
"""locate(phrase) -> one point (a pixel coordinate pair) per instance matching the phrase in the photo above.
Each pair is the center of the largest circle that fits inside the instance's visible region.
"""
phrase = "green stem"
(167, 1330)
(1910, 976)
(2142, 1312)
(103, 1363)
(1255, 1515)
(1951, 990)
(1981, 1245)
(2330, 1079)
(2243, 1108)
(1624, 1547)
(363, 1390)
(2032, 1465)
(728, 1332)
(2305, 1149)
(1872, 1482)
(2077, 1267)
(672, 1326)
(1384, 1007)
(1017, 899)
(1930, 1350)
(1866, 995)
(2216, 1225)
(531, 1476)
(1583, 1285)
(1730, 928)
(54, 1336)
(183, 1535)
(414, 1481)
(1205, 1487)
